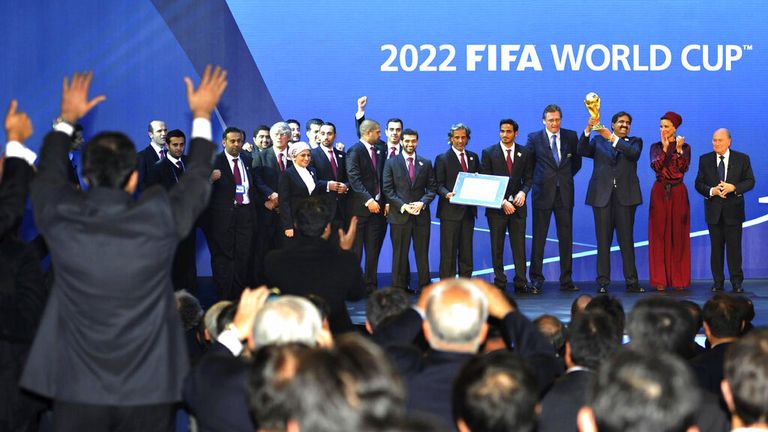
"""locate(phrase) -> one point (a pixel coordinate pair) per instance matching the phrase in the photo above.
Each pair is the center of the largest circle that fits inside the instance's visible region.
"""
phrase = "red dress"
(669, 222)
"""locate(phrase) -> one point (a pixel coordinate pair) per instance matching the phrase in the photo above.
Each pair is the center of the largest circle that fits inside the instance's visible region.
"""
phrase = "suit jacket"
(165, 173)
(322, 167)
(112, 293)
(739, 174)
(216, 393)
(363, 180)
(447, 168)
(563, 401)
(494, 162)
(14, 190)
(708, 367)
(400, 191)
(223, 191)
(547, 175)
(267, 172)
(611, 165)
(292, 190)
(146, 159)
(315, 266)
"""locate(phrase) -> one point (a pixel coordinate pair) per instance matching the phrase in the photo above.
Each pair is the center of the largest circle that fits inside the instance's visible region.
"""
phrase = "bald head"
(455, 316)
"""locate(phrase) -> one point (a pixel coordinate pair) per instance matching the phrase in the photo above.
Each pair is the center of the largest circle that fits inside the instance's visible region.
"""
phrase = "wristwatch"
(59, 119)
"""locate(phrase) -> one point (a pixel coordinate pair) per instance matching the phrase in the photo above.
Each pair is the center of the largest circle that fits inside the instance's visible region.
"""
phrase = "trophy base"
(598, 127)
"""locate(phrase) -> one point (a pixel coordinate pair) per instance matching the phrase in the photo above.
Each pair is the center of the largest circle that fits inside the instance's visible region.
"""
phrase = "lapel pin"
(519, 154)
(471, 158)
(421, 163)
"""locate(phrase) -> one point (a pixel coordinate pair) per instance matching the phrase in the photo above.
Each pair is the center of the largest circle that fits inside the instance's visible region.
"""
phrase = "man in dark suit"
(746, 382)
(269, 166)
(614, 194)
(723, 178)
(509, 159)
(409, 184)
(592, 339)
(365, 166)
(393, 131)
(155, 151)
(556, 162)
(330, 166)
(230, 221)
(167, 172)
(102, 302)
(315, 265)
(457, 222)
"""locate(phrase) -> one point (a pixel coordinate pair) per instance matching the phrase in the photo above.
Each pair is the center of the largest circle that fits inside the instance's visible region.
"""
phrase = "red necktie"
(280, 162)
(238, 180)
(463, 162)
(333, 164)
(392, 152)
(509, 161)
(411, 172)
(376, 171)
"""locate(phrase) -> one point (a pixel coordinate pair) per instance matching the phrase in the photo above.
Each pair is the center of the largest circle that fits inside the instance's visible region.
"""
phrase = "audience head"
(157, 132)
(696, 313)
(383, 304)
(637, 391)
(280, 133)
(592, 338)
(211, 318)
(723, 317)
(552, 329)
(745, 386)
(225, 317)
(261, 137)
(313, 217)
(109, 161)
(456, 314)
(495, 392)
(189, 309)
(286, 319)
(295, 129)
(660, 324)
(579, 305)
(323, 307)
(611, 306)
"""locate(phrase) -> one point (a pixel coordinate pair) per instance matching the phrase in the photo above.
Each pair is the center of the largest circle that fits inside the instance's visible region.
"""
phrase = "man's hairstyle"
(108, 160)
(459, 323)
(696, 313)
(313, 121)
(329, 124)
(553, 329)
(394, 120)
(638, 391)
(459, 126)
(272, 369)
(321, 304)
(279, 128)
(293, 121)
(746, 370)
(260, 128)
(495, 392)
(287, 319)
(368, 125)
(724, 315)
(510, 122)
(616, 116)
(551, 108)
(611, 306)
(150, 128)
(189, 309)
(593, 338)
(660, 324)
(211, 317)
(175, 133)
(410, 132)
(385, 303)
(312, 216)
(579, 304)
(225, 316)
(232, 129)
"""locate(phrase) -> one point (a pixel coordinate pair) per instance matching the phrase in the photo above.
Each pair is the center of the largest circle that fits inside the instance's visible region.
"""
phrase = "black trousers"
(77, 417)
(564, 225)
(499, 226)
(619, 218)
(728, 237)
(184, 272)
(401, 235)
(369, 237)
(456, 238)
(231, 243)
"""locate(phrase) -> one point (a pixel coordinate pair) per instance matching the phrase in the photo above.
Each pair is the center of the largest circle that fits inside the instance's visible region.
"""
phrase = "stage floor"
(552, 301)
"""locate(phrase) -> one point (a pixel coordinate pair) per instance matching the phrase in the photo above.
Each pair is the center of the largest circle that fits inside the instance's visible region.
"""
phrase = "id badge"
(240, 189)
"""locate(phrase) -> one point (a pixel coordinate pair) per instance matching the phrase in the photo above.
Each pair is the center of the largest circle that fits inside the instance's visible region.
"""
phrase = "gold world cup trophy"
(592, 101)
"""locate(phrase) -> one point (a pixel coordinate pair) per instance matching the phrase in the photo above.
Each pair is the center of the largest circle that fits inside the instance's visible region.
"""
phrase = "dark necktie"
(180, 165)
(721, 168)
(411, 169)
(333, 164)
(280, 162)
(463, 162)
(238, 180)
(162, 153)
(555, 153)
(509, 161)
(392, 152)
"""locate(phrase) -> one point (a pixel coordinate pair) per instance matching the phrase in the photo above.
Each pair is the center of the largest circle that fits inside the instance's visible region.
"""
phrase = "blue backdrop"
(431, 64)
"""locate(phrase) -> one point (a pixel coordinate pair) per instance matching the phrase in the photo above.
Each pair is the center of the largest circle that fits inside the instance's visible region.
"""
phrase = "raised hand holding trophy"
(592, 101)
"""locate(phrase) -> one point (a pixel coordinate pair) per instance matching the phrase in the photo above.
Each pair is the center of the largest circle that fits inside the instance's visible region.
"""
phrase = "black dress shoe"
(602, 289)
(717, 288)
(635, 289)
(524, 290)
(533, 289)
(569, 288)
(738, 289)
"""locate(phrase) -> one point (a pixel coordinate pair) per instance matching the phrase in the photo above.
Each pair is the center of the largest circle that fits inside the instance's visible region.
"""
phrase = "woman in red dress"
(669, 222)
